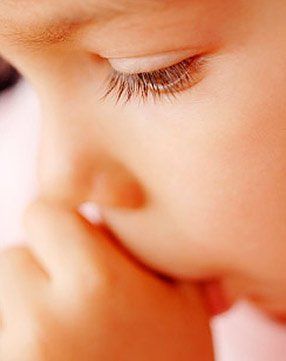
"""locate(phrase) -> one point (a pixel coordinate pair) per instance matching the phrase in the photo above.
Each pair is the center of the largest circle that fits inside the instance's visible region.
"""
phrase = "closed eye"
(166, 81)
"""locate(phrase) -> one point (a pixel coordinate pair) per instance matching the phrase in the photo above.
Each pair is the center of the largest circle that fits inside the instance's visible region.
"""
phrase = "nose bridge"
(64, 162)
(76, 164)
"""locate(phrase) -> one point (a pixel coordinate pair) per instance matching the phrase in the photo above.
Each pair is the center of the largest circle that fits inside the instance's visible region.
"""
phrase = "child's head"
(199, 179)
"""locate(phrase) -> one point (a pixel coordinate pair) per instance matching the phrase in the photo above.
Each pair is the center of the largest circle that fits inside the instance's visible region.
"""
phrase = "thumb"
(66, 243)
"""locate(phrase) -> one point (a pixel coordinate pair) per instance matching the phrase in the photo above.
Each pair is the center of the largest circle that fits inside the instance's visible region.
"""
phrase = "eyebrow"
(47, 34)
(61, 28)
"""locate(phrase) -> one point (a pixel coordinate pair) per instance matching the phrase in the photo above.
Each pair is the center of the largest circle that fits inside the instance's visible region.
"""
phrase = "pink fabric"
(241, 335)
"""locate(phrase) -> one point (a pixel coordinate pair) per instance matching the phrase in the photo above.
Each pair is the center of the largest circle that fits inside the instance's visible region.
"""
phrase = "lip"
(215, 298)
(281, 320)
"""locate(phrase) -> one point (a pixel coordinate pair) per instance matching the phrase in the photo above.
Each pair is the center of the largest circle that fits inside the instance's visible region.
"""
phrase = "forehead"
(26, 10)
(21, 16)
(58, 19)
(35, 23)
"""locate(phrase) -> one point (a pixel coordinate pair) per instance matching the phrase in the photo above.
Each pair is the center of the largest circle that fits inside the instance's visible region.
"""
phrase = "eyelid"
(148, 63)
(167, 81)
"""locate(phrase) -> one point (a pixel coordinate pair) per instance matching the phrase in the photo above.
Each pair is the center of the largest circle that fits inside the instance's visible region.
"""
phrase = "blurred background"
(8, 75)
(242, 334)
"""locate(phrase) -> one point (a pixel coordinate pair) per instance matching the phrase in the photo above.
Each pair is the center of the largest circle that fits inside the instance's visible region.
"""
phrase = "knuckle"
(106, 277)
(87, 284)
(44, 212)
(101, 276)
(34, 341)
(13, 256)
(90, 283)
(94, 282)
(28, 342)
(33, 211)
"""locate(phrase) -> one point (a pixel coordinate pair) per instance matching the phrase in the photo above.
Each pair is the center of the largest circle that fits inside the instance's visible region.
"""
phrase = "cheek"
(215, 167)
(235, 173)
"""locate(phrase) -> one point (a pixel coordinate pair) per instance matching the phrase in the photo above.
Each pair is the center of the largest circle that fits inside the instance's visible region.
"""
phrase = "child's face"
(211, 162)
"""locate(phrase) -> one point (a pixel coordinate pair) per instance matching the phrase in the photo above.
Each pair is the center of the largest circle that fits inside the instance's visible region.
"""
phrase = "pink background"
(240, 335)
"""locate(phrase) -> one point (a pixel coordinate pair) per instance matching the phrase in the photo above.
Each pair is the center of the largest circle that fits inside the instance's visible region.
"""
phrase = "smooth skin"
(72, 294)
(195, 188)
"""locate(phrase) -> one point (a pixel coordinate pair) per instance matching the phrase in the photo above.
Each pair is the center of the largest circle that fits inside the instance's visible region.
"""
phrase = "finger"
(65, 242)
(21, 279)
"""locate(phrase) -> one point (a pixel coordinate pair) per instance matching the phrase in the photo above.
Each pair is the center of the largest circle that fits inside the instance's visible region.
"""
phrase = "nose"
(74, 168)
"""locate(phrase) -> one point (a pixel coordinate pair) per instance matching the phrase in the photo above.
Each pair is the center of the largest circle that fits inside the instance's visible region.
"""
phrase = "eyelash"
(167, 81)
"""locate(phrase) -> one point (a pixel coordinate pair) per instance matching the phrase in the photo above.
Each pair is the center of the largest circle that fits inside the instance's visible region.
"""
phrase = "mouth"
(217, 302)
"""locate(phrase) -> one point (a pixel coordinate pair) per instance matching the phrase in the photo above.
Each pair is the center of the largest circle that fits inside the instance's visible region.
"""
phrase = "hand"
(73, 294)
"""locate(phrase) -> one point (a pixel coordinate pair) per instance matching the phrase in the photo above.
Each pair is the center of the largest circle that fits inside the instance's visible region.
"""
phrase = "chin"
(267, 297)
(274, 309)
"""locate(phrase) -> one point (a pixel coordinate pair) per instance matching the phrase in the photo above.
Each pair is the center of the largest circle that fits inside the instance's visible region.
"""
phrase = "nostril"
(9, 76)
(115, 188)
